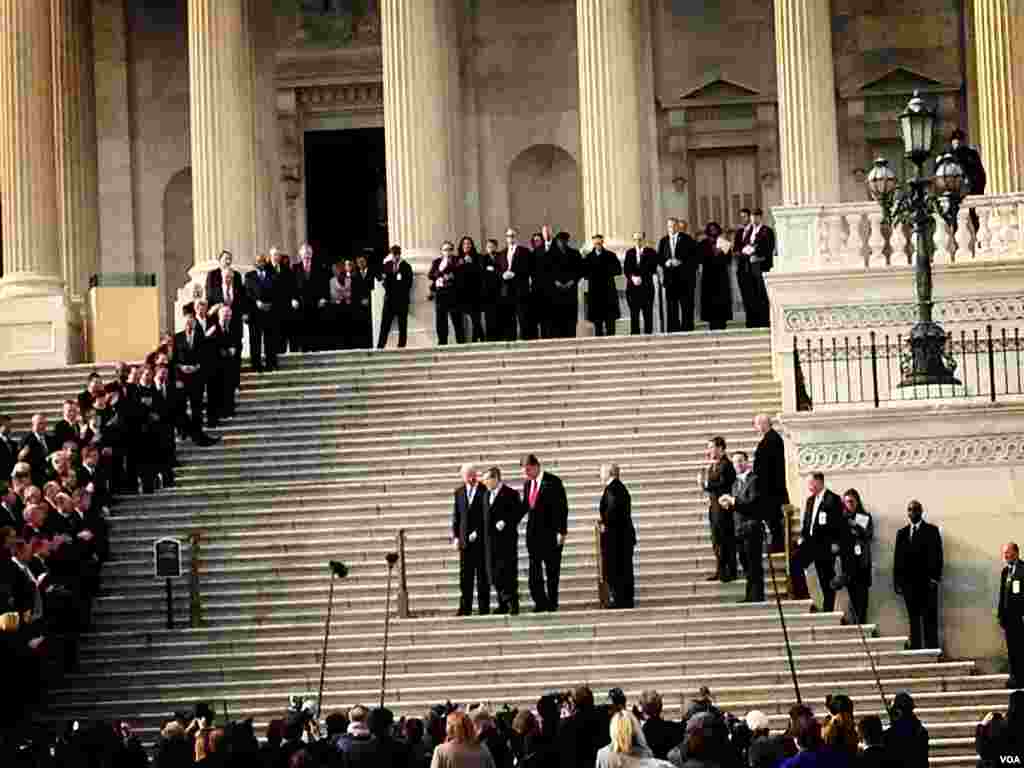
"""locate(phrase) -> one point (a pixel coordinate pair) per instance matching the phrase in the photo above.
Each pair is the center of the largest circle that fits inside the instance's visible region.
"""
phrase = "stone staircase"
(330, 456)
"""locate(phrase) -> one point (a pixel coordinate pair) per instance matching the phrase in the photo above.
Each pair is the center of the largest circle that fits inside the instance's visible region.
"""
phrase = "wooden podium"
(124, 317)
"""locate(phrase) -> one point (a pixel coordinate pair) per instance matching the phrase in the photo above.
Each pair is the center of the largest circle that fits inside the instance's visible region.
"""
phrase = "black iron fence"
(874, 368)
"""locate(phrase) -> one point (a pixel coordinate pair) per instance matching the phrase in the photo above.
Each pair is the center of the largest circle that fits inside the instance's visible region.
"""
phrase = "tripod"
(341, 571)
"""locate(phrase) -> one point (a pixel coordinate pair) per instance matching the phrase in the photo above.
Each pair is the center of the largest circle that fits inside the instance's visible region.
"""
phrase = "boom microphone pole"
(782, 621)
(341, 571)
(392, 558)
(871, 659)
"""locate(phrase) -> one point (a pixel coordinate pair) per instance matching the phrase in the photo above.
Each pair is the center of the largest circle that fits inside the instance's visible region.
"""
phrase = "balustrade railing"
(854, 235)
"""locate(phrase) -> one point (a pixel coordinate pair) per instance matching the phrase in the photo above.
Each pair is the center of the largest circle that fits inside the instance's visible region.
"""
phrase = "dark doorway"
(346, 200)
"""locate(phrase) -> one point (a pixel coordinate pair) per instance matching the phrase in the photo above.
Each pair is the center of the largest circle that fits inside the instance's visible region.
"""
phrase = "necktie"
(913, 530)
(534, 491)
(227, 292)
(42, 442)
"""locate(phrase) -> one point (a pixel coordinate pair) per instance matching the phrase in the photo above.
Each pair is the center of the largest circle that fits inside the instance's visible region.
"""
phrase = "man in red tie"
(548, 517)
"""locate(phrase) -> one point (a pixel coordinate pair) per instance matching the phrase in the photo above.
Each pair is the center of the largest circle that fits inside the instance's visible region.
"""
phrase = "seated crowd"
(563, 730)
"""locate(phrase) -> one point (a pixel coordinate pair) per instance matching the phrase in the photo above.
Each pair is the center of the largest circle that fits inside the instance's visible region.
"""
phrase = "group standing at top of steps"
(503, 293)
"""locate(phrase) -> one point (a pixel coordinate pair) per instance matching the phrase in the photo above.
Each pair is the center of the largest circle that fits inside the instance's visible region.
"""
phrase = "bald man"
(1011, 611)
(469, 537)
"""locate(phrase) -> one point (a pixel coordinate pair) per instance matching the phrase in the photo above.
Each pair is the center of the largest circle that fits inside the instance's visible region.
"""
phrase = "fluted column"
(419, 119)
(223, 130)
(809, 147)
(999, 43)
(29, 186)
(611, 118)
(74, 107)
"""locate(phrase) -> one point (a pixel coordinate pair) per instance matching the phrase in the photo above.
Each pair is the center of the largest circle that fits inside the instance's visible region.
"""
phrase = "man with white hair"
(469, 537)
(618, 537)
(770, 471)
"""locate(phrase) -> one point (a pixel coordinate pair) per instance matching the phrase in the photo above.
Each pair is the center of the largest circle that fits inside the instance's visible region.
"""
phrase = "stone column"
(74, 107)
(223, 133)
(809, 147)
(611, 119)
(999, 46)
(419, 88)
(37, 327)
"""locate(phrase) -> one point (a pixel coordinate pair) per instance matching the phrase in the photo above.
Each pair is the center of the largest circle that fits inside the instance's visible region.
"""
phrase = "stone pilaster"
(999, 47)
(74, 108)
(419, 91)
(223, 132)
(809, 147)
(610, 140)
(35, 322)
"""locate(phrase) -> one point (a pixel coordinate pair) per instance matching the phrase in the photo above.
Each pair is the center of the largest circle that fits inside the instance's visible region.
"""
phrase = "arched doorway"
(545, 187)
(177, 240)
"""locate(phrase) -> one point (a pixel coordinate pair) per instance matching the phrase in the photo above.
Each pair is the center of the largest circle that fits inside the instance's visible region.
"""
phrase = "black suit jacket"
(37, 454)
(10, 518)
(770, 468)
(616, 511)
(8, 457)
(310, 289)
(397, 284)
(362, 290)
(686, 252)
(764, 247)
(503, 545)
(549, 516)
(918, 562)
(469, 518)
(1011, 606)
(215, 290)
(832, 531)
(268, 286)
(518, 288)
(644, 268)
(197, 355)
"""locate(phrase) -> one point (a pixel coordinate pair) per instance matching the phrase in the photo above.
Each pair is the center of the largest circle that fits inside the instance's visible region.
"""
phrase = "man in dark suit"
(490, 291)
(230, 337)
(190, 357)
(740, 242)
(224, 286)
(760, 252)
(917, 573)
(1011, 611)
(10, 514)
(446, 307)
(396, 275)
(469, 537)
(8, 449)
(546, 529)
(36, 448)
(639, 267)
(601, 267)
(677, 254)
(822, 530)
(618, 537)
(770, 469)
(503, 509)
(567, 272)
(309, 299)
(264, 296)
(742, 499)
(284, 288)
(363, 283)
(66, 428)
(514, 265)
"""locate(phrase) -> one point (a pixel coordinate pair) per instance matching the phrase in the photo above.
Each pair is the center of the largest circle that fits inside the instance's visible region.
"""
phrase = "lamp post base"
(928, 363)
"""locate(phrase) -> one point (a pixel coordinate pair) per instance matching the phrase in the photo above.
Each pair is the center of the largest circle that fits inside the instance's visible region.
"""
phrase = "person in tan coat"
(461, 748)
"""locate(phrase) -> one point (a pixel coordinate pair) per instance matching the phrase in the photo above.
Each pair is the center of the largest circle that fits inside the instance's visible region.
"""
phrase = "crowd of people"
(117, 437)
(565, 729)
(502, 293)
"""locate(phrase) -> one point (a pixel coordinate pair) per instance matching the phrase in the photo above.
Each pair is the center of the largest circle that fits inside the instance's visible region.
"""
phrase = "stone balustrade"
(853, 235)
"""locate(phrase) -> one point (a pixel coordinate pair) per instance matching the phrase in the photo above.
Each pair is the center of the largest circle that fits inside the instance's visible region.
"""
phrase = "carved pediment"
(720, 88)
(899, 79)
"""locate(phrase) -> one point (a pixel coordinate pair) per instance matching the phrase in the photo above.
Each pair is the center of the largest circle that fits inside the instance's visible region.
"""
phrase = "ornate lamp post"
(915, 205)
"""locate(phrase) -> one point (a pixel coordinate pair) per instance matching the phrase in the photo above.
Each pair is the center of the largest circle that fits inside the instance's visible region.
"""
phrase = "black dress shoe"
(713, 577)
(1012, 683)
(205, 441)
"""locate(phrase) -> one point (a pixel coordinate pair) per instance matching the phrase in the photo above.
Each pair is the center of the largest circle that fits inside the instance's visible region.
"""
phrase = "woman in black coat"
(715, 285)
(857, 555)
(601, 267)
